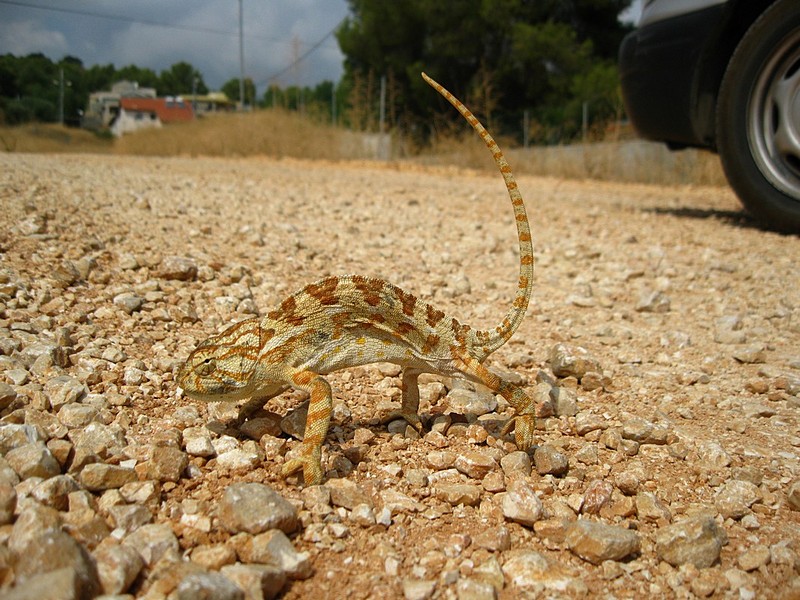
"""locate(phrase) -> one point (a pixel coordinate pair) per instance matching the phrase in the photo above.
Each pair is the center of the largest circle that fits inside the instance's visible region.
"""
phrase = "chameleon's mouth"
(228, 395)
(182, 392)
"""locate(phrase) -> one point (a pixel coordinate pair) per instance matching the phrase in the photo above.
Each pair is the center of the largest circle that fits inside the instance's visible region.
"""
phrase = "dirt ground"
(690, 311)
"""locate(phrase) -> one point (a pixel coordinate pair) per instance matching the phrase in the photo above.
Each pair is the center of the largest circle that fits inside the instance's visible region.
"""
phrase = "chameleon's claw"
(310, 464)
(411, 418)
(523, 426)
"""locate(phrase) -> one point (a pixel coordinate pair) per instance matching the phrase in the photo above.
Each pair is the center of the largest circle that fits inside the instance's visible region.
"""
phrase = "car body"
(723, 75)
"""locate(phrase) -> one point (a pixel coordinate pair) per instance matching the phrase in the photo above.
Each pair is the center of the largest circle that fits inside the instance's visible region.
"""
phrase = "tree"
(9, 86)
(381, 38)
(181, 78)
(231, 90)
(99, 77)
(37, 93)
(599, 87)
(143, 76)
(549, 55)
(595, 20)
(274, 97)
(314, 102)
(503, 56)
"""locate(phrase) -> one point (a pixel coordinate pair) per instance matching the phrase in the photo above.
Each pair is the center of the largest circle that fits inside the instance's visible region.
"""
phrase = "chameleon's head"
(222, 367)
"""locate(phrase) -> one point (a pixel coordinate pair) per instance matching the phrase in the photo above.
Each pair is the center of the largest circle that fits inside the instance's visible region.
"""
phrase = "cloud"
(270, 44)
(131, 36)
(21, 37)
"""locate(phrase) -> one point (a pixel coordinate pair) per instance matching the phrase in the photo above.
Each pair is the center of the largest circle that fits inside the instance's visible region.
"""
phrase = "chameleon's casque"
(347, 321)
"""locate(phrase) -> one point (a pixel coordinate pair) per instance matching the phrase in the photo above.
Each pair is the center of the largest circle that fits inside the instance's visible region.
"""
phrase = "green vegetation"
(502, 57)
(231, 89)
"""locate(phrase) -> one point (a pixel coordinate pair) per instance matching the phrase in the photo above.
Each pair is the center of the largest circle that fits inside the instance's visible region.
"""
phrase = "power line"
(86, 13)
(150, 23)
(302, 56)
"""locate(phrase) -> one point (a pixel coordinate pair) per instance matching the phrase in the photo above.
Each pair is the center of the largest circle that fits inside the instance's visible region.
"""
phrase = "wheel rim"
(774, 117)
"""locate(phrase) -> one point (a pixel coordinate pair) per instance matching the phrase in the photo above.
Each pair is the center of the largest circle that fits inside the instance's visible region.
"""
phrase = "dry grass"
(275, 133)
(279, 133)
(40, 138)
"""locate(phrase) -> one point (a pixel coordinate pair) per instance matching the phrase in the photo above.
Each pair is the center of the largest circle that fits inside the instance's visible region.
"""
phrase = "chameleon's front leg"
(252, 406)
(317, 421)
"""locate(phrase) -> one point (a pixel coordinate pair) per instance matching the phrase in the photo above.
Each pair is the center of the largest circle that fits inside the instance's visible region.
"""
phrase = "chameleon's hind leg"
(409, 407)
(317, 422)
(524, 422)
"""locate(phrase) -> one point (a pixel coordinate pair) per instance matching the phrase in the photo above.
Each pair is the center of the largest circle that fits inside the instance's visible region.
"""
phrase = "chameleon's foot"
(248, 410)
(309, 463)
(412, 418)
(523, 426)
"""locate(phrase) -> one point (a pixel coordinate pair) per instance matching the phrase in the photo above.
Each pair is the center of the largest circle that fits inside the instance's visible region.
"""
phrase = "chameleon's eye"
(207, 367)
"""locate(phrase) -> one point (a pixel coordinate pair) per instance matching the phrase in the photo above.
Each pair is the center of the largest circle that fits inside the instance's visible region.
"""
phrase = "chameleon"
(352, 320)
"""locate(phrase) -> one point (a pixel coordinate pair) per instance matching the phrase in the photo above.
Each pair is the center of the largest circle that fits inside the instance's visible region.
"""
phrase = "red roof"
(168, 110)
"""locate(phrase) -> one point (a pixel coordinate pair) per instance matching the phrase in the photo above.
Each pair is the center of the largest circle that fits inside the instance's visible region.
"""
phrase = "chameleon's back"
(359, 320)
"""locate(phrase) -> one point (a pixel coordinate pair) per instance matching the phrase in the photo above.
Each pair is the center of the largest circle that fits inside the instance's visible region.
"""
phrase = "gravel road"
(662, 347)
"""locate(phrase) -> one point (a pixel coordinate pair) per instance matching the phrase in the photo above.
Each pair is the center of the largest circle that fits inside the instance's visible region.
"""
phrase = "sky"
(205, 33)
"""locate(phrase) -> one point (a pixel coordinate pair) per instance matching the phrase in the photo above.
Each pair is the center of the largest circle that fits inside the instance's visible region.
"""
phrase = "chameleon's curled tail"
(487, 341)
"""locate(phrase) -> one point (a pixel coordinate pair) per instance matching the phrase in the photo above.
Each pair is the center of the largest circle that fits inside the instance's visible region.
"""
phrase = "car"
(723, 75)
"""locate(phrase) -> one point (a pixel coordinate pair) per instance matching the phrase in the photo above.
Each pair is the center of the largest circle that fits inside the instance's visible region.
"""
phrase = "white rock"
(521, 504)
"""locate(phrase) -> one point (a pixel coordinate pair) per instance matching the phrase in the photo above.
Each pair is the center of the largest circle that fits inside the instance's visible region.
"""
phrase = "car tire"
(758, 118)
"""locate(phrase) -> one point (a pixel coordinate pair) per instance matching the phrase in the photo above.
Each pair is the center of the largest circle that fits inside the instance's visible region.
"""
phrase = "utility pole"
(296, 74)
(61, 85)
(61, 96)
(382, 106)
(383, 139)
(585, 121)
(333, 105)
(526, 128)
(194, 97)
(241, 56)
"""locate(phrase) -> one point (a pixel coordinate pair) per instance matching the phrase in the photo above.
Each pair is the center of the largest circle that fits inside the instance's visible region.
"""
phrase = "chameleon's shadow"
(493, 427)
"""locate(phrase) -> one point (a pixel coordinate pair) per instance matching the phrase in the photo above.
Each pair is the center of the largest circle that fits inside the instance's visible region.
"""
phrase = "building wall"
(128, 121)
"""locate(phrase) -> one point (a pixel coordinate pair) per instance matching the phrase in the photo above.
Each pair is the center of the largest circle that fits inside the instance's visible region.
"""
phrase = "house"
(211, 102)
(131, 89)
(128, 107)
(104, 106)
(139, 113)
